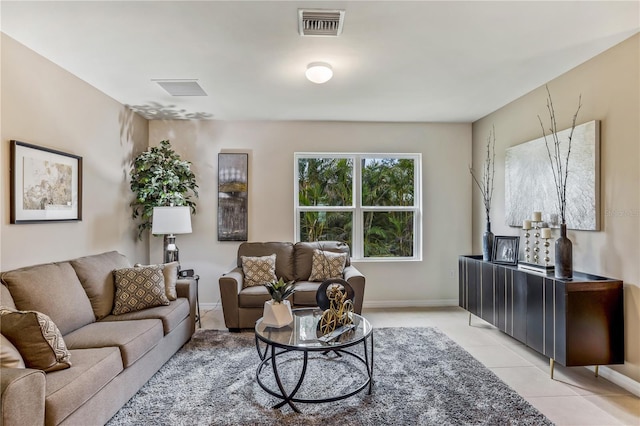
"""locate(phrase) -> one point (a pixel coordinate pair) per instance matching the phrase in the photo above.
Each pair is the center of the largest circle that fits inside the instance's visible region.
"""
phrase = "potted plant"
(159, 177)
(484, 183)
(277, 311)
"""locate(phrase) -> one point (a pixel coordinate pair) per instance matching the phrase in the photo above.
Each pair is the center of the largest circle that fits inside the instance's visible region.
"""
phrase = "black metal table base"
(269, 356)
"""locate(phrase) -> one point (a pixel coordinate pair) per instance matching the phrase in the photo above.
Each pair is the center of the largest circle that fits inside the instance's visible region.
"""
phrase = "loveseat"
(243, 305)
(110, 356)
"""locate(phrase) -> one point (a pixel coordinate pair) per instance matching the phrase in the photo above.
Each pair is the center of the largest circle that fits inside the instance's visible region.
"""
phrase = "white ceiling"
(449, 61)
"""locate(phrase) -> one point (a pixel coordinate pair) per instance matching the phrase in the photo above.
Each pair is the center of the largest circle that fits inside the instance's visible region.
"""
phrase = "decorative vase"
(276, 314)
(487, 243)
(564, 255)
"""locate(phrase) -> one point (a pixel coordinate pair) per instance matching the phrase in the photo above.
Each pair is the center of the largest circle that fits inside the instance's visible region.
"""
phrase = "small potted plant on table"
(277, 311)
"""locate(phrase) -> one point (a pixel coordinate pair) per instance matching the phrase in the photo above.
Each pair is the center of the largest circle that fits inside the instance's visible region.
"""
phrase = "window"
(370, 201)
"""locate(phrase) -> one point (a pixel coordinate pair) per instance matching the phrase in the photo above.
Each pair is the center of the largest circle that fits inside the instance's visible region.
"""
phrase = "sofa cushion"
(327, 265)
(133, 338)
(258, 270)
(305, 294)
(304, 255)
(53, 289)
(5, 298)
(9, 356)
(253, 297)
(282, 250)
(96, 276)
(37, 339)
(170, 315)
(139, 288)
(170, 272)
(67, 390)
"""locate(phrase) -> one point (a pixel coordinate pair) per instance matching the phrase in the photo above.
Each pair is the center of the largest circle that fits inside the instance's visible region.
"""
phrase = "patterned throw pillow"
(37, 339)
(326, 265)
(170, 272)
(258, 270)
(139, 288)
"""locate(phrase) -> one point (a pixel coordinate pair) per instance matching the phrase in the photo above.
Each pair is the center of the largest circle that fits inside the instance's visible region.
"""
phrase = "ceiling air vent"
(181, 87)
(320, 22)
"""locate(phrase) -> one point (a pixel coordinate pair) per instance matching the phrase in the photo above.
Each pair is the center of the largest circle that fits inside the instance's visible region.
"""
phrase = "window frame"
(357, 209)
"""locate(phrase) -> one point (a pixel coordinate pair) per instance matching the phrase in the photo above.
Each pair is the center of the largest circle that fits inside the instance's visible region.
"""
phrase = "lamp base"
(171, 252)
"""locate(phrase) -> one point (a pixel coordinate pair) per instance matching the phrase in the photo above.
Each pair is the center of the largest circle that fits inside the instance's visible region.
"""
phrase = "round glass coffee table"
(302, 336)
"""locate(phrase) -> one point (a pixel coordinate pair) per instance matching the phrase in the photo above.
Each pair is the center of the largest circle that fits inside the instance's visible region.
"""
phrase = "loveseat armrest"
(230, 286)
(356, 280)
(22, 391)
(187, 288)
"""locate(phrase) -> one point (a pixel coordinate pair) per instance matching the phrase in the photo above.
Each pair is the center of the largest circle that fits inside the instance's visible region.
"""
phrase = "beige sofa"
(243, 306)
(111, 356)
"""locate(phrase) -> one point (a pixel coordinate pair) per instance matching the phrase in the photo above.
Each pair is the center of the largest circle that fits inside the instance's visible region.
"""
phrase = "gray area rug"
(421, 377)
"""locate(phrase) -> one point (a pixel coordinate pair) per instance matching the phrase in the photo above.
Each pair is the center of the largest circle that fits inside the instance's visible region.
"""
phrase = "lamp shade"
(171, 220)
(319, 72)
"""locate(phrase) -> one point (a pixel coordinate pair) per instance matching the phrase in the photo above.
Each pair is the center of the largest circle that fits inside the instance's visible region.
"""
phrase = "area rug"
(421, 377)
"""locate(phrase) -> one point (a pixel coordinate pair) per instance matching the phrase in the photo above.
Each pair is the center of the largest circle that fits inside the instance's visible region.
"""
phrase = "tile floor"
(574, 397)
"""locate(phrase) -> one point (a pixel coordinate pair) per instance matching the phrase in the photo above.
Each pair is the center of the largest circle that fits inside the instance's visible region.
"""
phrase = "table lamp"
(168, 221)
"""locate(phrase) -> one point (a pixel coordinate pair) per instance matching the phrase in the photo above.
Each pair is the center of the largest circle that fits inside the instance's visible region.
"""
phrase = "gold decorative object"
(340, 310)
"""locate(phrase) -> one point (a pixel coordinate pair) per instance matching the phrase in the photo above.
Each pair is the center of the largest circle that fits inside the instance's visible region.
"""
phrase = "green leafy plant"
(159, 177)
(279, 290)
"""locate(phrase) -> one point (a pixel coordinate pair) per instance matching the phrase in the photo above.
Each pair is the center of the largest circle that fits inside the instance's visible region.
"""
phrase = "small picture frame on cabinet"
(505, 250)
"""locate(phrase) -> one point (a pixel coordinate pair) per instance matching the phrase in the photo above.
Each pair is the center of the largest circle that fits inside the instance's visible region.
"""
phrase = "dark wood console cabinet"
(574, 322)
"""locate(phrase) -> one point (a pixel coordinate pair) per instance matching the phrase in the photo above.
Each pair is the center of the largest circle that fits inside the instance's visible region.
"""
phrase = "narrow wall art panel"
(233, 196)
(529, 183)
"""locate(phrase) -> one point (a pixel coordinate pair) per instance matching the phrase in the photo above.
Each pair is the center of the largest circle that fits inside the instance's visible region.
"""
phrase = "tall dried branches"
(559, 165)
(485, 182)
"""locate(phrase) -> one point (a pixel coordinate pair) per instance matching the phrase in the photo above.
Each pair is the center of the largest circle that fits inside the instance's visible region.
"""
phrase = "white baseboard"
(210, 306)
(619, 379)
(410, 303)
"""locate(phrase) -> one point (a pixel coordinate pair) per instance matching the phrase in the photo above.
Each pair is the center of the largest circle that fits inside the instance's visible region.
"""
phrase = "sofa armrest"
(22, 391)
(356, 281)
(230, 286)
(187, 288)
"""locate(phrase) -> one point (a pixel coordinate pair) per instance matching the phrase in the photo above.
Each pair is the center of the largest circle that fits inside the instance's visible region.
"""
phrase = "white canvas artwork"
(529, 183)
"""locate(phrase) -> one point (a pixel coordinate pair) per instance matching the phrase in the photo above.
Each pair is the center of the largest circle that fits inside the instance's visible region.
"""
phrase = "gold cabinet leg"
(469, 318)
(551, 365)
(597, 370)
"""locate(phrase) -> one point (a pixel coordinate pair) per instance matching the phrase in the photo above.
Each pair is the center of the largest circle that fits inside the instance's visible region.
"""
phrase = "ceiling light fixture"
(319, 72)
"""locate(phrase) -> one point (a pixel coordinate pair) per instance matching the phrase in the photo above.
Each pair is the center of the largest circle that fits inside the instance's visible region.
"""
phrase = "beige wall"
(446, 154)
(45, 105)
(610, 88)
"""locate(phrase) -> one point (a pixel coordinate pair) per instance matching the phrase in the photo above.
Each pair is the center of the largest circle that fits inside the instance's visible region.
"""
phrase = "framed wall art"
(233, 197)
(505, 250)
(46, 185)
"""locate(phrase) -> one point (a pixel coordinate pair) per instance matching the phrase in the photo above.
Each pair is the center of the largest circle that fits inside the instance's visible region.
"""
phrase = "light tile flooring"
(574, 397)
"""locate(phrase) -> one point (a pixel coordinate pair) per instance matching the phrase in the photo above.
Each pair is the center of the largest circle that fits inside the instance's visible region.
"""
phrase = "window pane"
(387, 182)
(326, 226)
(325, 181)
(388, 234)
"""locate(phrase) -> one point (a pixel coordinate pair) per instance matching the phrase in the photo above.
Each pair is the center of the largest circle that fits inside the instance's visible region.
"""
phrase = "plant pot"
(564, 255)
(277, 315)
(487, 243)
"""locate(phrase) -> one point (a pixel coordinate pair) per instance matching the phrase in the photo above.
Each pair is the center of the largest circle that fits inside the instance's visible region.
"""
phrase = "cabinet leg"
(597, 370)
(469, 318)
(551, 365)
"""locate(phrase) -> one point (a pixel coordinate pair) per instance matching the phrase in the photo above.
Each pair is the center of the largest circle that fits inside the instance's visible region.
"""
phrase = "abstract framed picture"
(505, 250)
(233, 195)
(46, 185)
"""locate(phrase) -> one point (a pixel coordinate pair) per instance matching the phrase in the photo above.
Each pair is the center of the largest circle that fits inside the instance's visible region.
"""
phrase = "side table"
(198, 318)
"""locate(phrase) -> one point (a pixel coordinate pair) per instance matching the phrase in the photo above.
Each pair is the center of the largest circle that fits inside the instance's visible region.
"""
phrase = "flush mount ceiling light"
(319, 72)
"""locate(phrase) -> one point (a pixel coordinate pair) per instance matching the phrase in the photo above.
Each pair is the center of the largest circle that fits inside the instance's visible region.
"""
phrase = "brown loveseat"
(112, 356)
(242, 306)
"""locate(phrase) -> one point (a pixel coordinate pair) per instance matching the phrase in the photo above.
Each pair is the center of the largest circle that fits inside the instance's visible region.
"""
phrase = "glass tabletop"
(303, 332)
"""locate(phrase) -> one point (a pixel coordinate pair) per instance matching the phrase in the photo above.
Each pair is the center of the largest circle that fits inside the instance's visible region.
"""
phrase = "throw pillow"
(37, 339)
(139, 288)
(170, 272)
(9, 356)
(258, 270)
(326, 265)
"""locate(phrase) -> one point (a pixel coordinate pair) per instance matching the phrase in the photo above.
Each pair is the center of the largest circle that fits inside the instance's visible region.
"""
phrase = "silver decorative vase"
(487, 243)
(564, 255)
